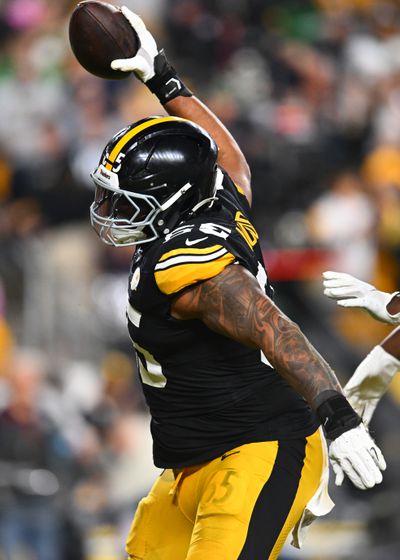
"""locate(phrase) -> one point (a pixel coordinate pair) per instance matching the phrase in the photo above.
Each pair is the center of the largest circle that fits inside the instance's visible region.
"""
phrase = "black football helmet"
(151, 175)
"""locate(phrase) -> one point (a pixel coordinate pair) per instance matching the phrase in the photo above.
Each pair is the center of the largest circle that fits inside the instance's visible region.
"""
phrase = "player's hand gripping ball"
(99, 33)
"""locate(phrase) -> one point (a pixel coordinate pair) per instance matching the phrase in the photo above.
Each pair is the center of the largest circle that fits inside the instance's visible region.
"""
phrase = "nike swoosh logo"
(188, 242)
(225, 455)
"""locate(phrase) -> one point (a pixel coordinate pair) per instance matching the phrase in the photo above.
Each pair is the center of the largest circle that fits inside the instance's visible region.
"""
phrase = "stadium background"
(311, 90)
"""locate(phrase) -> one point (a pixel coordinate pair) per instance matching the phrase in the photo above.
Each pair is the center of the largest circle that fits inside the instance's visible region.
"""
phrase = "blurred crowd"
(311, 91)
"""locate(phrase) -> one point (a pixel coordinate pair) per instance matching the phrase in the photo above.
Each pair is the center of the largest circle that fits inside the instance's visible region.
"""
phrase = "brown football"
(98, 34)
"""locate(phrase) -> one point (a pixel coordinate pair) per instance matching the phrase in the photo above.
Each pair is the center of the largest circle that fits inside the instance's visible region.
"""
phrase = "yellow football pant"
(240, 506)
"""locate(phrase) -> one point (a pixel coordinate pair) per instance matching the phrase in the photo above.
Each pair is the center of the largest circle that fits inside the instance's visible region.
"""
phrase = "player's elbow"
(246, 174)
(243, 180)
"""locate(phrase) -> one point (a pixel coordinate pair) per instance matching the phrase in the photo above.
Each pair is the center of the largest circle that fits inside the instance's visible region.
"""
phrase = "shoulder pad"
(190, 254)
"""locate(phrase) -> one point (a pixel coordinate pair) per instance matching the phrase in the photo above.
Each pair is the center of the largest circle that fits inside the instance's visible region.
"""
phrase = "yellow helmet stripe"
(132, 133)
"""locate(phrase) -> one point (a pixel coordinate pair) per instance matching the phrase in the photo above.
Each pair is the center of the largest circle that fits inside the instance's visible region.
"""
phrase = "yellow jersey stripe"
(132, 133)
(190, 259)
(190, 251)
(174, 279)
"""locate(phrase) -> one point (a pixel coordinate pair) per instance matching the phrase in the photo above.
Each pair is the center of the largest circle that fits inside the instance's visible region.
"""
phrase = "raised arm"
(230, 156)
(152, 67)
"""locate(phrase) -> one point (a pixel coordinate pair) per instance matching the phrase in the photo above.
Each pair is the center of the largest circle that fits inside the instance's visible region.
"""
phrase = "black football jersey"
(206, 392)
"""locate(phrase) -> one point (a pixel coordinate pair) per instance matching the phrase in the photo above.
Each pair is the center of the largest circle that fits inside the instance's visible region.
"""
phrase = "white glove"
(355, 454)
(370, 381)
(142, 64)
(351, 292)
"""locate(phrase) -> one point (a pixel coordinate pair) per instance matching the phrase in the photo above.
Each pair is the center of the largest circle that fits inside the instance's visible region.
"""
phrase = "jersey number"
(150, 370)
(246, 229)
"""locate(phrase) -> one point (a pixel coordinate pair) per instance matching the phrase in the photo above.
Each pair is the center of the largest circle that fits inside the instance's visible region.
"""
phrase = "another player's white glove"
(370, 381)
(142, 64)
(351, 292)
(355, 454)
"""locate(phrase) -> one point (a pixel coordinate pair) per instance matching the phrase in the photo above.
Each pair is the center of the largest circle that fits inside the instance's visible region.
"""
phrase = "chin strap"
(217, 186)
(208, 202)
(218, 180)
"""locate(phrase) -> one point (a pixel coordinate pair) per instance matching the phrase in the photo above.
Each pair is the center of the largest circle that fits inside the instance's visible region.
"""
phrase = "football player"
(374, 374)
(236, 392)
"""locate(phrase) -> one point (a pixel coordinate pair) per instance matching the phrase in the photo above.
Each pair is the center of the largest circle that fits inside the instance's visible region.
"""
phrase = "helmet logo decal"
(105, 178)
(104, 174)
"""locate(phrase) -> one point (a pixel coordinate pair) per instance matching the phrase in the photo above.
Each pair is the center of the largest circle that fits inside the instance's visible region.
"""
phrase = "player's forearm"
(294, 357)
(391, 344)
(230, 156)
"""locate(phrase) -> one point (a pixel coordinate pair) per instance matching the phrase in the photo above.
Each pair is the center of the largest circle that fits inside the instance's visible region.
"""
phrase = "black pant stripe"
(274, 501)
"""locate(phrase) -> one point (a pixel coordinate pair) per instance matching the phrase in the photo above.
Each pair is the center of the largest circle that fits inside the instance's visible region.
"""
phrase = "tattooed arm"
(233, 304)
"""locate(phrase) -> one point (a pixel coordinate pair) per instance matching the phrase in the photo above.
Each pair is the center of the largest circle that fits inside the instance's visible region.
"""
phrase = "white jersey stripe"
(182, 259)
(265, 360)
(134, 315)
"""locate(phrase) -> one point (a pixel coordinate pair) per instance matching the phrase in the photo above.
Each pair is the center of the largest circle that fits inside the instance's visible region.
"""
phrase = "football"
(98, 34)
